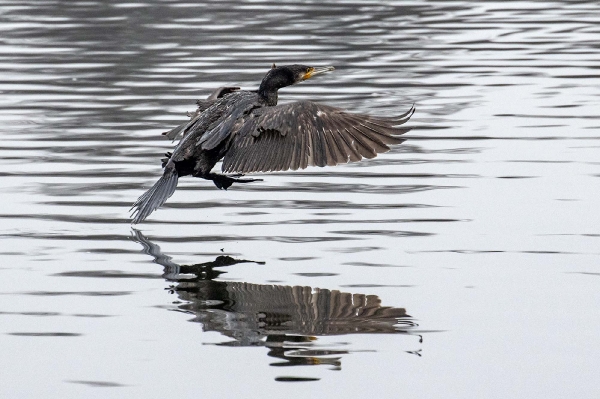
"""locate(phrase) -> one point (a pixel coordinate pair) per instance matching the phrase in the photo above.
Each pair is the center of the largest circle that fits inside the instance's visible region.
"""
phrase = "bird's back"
(213, 126)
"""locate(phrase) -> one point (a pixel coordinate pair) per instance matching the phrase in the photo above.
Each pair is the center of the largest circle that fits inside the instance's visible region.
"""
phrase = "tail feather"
(156, 196)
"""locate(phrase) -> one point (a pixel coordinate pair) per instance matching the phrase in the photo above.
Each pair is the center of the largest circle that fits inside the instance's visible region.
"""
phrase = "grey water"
(463, 263)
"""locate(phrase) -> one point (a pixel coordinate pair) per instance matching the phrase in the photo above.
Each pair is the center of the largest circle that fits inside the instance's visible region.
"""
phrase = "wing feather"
(297, 135)
(384, 134)
(374, 139)
(284, 154)
(251, 160)
(331, 147)
(245, 162)
(267, 156)
(362, 148)
(295, 158)
(346, 145)
(307, 156)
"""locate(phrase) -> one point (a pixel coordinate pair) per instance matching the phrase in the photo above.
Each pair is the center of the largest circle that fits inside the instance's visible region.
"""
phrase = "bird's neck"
(268, 93)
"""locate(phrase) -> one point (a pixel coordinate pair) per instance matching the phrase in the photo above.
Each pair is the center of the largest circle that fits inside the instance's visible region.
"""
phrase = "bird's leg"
(223, 182)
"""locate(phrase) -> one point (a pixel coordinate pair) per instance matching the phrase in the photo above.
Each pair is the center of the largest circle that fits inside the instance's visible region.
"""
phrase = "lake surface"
(463, 263)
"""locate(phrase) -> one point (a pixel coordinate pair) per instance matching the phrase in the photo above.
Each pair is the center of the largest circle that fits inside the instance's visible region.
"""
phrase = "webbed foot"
(223, 182)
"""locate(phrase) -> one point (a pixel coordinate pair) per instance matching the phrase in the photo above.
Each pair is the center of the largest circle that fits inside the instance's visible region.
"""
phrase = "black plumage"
(203, 105)
(251, 133)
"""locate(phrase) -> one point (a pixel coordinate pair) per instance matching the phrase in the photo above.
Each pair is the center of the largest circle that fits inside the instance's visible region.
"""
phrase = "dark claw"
(223, 182)
(246, 180)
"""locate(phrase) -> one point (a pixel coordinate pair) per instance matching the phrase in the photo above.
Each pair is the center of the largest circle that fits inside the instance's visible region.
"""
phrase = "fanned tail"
(156, 196)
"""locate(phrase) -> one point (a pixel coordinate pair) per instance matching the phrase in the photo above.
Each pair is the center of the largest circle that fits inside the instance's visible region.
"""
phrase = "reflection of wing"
(301, 134)
(235, 307)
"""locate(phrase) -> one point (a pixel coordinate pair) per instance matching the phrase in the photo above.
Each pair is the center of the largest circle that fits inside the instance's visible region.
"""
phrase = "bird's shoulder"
(220, 110)
(223, 118)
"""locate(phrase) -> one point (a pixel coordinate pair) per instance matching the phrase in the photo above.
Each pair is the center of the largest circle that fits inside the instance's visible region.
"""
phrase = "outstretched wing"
(297, 135)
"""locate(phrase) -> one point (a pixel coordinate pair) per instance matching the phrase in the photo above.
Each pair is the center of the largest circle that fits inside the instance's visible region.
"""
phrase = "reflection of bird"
(284, 319)
(248, 312)
(176, 272)
(251, 133)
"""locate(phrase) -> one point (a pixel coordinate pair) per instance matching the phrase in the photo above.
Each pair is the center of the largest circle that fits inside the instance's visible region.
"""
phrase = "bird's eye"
(308, 73)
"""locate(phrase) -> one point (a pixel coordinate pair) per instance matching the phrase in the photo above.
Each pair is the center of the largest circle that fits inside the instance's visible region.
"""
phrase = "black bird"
(251, 133)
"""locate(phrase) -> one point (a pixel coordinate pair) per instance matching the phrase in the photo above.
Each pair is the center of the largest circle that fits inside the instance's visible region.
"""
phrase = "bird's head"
(288, 75)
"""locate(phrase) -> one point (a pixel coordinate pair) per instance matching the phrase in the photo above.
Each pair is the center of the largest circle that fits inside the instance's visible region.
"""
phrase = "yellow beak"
(317, 71)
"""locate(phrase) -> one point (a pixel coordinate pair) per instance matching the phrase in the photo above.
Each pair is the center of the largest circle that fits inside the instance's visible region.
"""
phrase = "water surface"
(463, 263)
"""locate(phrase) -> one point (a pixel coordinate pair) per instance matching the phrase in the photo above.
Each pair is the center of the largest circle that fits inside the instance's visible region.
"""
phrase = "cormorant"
(251, 133)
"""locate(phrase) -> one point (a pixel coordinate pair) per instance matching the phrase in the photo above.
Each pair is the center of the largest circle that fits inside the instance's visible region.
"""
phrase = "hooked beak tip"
(318, 71)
